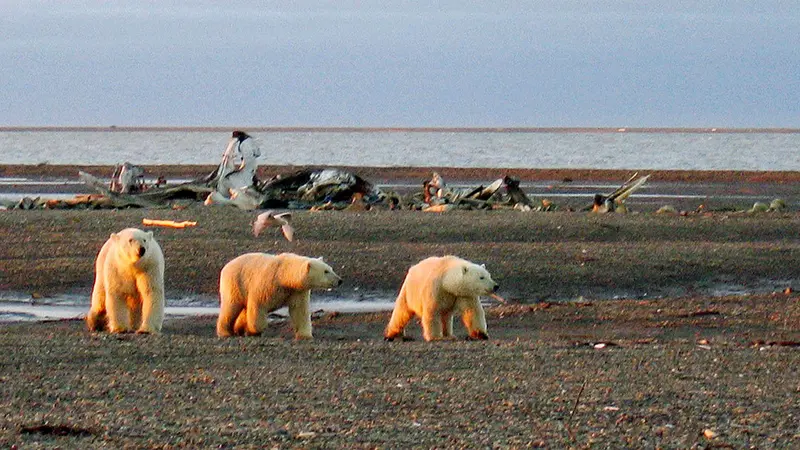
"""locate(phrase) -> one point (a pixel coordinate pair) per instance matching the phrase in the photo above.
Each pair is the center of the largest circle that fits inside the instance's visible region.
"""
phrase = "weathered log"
(517, 195)
(616, 200)
(153, 197)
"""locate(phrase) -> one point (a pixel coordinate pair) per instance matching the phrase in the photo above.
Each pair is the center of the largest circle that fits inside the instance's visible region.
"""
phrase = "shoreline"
(417, 174)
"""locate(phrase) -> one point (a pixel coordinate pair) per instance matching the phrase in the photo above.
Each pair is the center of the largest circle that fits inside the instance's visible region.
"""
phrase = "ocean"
(620, 149)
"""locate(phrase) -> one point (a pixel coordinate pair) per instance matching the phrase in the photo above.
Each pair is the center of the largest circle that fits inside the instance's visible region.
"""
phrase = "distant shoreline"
(307, 129)
(386, 174)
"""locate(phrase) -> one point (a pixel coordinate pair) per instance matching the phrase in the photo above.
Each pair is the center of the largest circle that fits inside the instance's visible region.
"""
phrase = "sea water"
(770, 151)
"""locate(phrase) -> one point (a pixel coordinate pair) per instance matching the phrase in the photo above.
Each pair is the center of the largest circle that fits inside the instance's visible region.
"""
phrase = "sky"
(400, 63)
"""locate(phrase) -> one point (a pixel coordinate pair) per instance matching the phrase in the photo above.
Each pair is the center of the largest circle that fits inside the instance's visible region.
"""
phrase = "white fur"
(128, 291)
(254, 284)
(437, 288)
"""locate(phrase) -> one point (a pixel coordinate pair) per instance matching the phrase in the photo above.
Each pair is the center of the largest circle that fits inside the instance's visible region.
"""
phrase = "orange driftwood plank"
(168, 223)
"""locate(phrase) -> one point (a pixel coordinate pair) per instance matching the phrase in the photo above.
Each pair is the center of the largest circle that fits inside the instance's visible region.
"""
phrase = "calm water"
(596, 150)
(16, 308)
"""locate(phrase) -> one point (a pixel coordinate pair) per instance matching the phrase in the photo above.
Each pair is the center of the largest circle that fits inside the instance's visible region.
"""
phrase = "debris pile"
(615, 201)
(235, 182)
(436, 196)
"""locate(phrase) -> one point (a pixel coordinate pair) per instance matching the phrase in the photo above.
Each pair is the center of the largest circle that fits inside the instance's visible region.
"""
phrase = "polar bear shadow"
(204, 326)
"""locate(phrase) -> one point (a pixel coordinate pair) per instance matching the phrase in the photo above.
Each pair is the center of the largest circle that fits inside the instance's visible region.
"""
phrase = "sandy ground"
(666, 365)
(533, 256)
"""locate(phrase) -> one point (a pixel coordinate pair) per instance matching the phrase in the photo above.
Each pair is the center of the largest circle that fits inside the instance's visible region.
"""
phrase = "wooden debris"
(498, 298)
(168, 223)
(443, 207)
(151, 198)
(615, 201)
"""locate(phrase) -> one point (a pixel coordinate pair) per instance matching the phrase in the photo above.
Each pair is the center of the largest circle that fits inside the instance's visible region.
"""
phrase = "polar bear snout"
(333, 280)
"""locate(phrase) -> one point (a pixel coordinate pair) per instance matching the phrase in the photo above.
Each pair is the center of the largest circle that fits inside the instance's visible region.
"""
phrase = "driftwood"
(302, 189)
(151, 198)
(516, 195)
(168, 223)
(319, 185)
(437, 197)
(435, 191)
(127, 179)
(615, 201)
(234, 182)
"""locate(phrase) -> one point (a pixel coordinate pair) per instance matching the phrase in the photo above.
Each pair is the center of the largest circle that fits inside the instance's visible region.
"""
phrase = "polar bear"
(128, 291)
(434, 290)
(254, 284)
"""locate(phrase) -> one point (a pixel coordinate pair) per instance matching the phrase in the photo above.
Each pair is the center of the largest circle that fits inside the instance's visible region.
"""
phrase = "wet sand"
(668, 364)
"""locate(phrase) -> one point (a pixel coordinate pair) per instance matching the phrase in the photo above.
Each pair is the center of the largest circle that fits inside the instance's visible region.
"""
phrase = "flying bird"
(270, 219)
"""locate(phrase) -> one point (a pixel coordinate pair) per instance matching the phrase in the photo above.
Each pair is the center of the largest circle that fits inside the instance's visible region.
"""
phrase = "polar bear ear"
(113, 236)
(150, 233)
(319, 258)
(483, 266)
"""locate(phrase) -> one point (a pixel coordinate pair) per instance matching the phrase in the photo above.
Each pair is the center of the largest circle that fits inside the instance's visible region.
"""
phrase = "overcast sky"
(399, 63)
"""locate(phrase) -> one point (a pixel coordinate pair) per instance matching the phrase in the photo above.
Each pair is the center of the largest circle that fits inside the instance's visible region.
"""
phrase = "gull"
(270, 219)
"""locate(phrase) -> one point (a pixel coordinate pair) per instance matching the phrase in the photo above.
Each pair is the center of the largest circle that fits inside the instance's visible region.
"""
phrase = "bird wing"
(285, 216)
(288, 232)
(262, 221)
(258, 227)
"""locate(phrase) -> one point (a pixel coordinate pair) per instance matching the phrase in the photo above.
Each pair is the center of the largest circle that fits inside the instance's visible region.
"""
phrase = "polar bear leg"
(231, 304)
(96, 320)
(151, 307)
(447, 324)
(473, 317)
(119, 320)
(240, 327)
(256, 318)
(432, 325)
(300, 314)
(135, 311)
(229, 312)
(400, 317)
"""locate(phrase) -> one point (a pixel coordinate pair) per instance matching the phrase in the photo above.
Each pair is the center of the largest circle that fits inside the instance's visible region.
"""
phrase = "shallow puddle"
(15, 309)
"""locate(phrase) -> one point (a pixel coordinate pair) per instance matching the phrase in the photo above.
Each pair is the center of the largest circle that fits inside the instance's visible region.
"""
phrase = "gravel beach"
(622, 331)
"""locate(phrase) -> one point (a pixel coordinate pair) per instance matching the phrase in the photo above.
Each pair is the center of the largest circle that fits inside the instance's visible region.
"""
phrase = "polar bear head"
(464, 278)
(133, 244)
(321, 275)
(303, 273)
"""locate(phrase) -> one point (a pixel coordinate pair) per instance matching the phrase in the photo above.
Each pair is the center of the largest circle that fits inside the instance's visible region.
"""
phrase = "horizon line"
(368, 129)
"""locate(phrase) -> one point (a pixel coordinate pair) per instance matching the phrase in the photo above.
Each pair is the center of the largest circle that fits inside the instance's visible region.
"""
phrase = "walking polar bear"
(254, 284)
(434, 290)
(128, 291)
